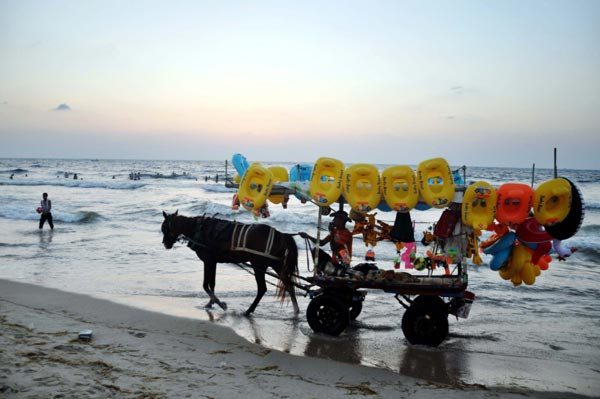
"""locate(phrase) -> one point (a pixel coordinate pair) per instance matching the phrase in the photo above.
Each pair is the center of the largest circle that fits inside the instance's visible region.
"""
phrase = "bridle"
(167, 229)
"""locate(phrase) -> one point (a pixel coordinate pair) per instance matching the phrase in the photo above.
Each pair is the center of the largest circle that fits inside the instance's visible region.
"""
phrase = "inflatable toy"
(562, 252)
(572, 222)
(400, 189)
(410, 249)
(500, 250)
(552, 201)
(362, 187)
(531, 232)
(436, 184)
(383, 206)
(514, 203)
(533, 235)
(240, 163)
(473, 247)
(520, 268)
(255, 187)
(479, 205)
(280, 175)
(326, 181)
(458, 178)
(300, 172)
(235, 202)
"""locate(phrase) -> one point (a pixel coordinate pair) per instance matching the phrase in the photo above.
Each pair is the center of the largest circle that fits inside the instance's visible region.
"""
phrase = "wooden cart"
(428, 300)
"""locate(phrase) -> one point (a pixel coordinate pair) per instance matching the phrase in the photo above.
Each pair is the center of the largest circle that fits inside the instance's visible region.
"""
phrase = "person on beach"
(46, 206)
(339, 240)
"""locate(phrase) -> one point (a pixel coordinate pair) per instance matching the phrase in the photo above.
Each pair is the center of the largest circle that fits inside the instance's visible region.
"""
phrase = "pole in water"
(317, 243)
(533, 175)
(555, 170)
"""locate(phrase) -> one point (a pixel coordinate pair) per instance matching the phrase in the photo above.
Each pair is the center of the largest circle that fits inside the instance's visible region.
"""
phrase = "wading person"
(46, 214)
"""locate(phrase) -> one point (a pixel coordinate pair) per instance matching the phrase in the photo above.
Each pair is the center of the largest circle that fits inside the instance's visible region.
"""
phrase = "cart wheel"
(355, 309)
(327, 314)
(425, 322)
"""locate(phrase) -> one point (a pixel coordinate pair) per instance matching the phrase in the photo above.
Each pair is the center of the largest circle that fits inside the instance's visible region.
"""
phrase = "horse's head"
(167, 228)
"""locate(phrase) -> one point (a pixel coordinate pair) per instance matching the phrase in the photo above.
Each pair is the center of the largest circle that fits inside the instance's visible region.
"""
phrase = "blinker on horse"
(221, 241)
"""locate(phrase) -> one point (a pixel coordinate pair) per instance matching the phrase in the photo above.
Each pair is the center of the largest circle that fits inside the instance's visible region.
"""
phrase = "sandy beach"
(136, 353)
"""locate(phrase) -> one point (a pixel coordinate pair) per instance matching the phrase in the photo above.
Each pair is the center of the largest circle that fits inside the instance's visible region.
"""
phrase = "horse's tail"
(289, 270)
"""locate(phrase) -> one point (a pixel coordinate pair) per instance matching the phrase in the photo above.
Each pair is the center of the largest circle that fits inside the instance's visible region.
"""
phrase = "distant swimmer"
(45, 209)
(74, 176)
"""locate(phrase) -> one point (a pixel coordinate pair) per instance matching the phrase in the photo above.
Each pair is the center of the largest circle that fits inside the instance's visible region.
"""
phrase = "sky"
(480, 83)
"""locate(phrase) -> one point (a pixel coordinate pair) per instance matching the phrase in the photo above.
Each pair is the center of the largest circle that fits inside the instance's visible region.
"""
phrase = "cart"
(427, 299)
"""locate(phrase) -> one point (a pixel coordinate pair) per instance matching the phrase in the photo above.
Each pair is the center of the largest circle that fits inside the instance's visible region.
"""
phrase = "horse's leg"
(292, 293)
(261, 288)
(206, 283)
(210, 272)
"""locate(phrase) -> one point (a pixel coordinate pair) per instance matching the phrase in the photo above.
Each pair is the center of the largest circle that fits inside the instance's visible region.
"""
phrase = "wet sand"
(136, 353)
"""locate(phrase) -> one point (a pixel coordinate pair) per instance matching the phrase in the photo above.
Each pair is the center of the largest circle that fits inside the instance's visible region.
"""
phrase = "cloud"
(62, 107)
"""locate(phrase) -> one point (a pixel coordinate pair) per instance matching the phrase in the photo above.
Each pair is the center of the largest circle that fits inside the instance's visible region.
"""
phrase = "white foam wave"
(77, 183)
(23, 212)
(210, 209)
(217, 188)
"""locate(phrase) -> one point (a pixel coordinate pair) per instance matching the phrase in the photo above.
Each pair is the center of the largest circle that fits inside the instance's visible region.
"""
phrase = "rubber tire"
(355, 309)
(425, 323)
(327, 314)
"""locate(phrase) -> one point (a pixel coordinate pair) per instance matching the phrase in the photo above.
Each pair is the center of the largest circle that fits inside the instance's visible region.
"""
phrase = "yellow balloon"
(516, 280)
(528, 274)
(506, 273)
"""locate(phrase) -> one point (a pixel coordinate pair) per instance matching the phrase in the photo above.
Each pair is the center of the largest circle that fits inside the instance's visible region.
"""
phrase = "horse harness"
(211, 230)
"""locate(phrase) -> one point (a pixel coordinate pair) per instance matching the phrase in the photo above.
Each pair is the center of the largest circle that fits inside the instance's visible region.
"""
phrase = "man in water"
(46, 206)
(339, 239)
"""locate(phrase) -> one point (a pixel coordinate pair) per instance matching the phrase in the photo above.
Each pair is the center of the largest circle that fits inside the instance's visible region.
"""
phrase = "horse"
(221, 241)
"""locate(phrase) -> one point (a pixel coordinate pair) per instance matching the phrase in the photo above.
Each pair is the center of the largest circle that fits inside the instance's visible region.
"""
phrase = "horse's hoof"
(223, 305)
(247, 313)
(208, 305)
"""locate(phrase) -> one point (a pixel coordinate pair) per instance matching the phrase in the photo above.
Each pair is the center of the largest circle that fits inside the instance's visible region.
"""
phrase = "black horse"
(222, 241)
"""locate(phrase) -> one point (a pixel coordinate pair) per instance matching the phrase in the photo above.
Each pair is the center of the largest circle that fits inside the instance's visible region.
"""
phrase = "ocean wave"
(590, 229)
(588, 253)
(15, 245)
(17, 170)
(210, 209)
(77, 183)
(592, 205)
(158, 175)
(217, 188)
(79, 217)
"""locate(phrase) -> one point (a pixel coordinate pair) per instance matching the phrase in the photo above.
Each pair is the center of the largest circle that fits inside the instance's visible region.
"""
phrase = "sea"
(107, 243)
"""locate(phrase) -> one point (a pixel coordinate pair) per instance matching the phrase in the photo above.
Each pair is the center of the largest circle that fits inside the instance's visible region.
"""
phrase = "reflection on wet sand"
(45, 238)
(433, 364)
(373, 341)
(345, 348)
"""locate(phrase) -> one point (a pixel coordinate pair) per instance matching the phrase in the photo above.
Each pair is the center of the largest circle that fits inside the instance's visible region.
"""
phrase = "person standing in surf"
(46, 207)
